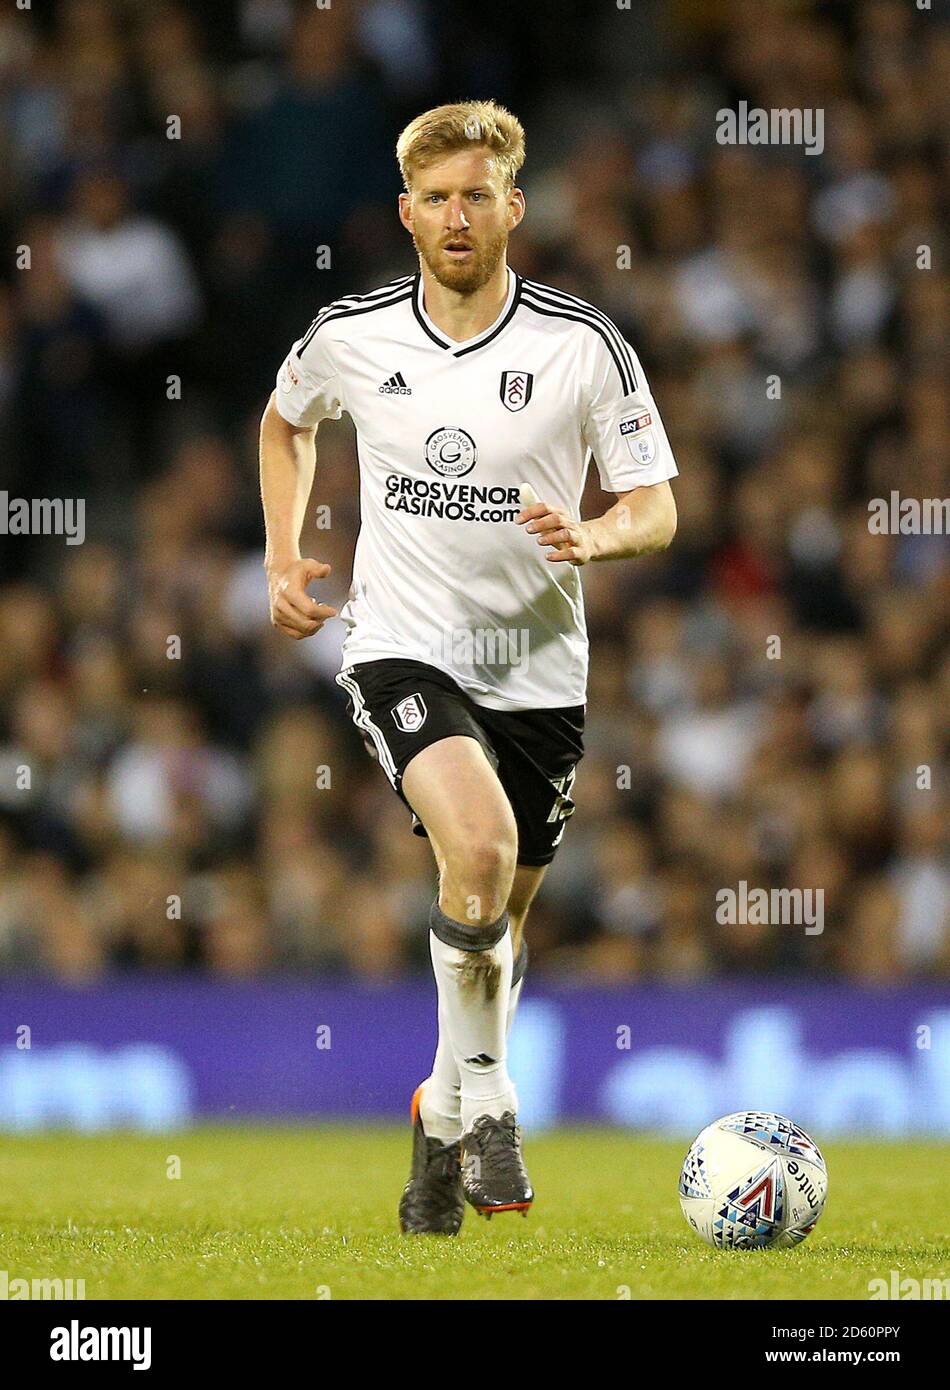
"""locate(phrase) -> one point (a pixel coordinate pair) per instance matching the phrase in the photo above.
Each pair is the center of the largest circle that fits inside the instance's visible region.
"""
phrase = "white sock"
(474, 988)
(440, 1104)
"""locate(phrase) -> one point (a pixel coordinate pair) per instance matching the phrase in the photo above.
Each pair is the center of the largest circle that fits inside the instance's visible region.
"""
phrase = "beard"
(465, 277)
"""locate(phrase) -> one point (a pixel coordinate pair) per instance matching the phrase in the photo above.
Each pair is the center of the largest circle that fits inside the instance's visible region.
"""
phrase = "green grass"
(287, 1213)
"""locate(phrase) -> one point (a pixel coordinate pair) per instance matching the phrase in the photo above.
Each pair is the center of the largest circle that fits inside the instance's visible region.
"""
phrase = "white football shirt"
(446, 434)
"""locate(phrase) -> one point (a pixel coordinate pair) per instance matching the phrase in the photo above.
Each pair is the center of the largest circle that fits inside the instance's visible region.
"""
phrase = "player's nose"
(456, 217)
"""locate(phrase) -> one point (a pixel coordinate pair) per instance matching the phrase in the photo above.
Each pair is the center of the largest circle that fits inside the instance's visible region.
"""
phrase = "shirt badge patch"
(288, 377)
(640, 437)
(515, 389)
(410, 714)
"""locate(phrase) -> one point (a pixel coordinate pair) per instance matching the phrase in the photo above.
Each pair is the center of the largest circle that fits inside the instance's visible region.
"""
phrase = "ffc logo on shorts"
(410, 714)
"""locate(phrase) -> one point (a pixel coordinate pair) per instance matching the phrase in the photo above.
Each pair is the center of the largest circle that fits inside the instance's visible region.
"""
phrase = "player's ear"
(405, 210)
(516, 208)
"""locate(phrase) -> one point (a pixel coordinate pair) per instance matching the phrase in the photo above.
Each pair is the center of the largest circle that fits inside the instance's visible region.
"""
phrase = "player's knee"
(483, 870)
(490, 864)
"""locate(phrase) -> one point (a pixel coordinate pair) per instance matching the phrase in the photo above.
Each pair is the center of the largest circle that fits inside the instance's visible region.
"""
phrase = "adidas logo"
(395, 386)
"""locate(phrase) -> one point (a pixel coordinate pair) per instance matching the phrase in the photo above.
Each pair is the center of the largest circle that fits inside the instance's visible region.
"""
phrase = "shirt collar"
(480, 339)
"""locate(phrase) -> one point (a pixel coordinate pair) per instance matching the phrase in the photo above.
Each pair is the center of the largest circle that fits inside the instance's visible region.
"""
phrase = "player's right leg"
(438, 1099)
(455, 792)
(422, 730)
(432, 1201)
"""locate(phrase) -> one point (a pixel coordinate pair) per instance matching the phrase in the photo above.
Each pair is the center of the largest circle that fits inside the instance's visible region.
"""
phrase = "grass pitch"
(292, 1213)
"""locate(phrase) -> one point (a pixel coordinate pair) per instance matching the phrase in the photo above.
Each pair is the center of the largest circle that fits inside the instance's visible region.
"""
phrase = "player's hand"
(292, 610)
(569, 538)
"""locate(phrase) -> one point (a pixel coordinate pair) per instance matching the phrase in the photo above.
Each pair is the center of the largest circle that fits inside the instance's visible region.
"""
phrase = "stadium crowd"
(180, 786)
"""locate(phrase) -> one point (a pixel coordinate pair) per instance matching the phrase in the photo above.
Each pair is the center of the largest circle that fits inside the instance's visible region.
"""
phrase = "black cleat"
(493, 1171)
(432, 1201)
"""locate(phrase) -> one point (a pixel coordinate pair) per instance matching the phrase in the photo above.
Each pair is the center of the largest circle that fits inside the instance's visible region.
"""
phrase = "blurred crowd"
(183, 188)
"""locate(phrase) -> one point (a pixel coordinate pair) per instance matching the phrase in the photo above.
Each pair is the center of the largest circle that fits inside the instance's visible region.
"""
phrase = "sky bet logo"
(638, 422)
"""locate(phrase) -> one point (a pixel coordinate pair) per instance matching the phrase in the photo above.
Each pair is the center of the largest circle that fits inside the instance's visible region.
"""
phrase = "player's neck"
(464, 316)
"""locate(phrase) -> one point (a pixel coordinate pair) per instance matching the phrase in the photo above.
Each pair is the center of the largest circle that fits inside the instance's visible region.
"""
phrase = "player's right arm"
(306, 394)
(288, 458)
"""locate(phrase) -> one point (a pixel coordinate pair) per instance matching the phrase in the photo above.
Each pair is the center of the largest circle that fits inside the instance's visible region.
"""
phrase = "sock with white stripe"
(473, 974)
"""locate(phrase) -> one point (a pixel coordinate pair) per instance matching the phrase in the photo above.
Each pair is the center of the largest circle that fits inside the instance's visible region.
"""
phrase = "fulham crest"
(410, 714)
(515, 389)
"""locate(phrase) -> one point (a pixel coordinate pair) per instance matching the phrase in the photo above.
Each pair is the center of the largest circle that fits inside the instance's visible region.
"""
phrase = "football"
(752, 1180)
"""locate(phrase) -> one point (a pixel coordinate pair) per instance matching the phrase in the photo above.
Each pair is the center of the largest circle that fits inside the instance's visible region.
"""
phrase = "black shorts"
(400, 707)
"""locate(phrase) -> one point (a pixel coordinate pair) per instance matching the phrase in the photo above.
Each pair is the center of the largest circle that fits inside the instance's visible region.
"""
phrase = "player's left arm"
(640, 522)
(622, 428)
